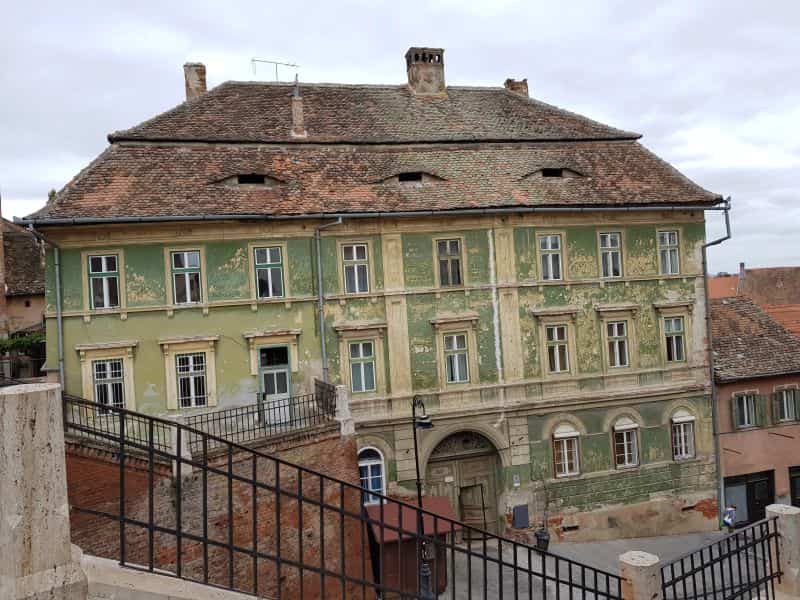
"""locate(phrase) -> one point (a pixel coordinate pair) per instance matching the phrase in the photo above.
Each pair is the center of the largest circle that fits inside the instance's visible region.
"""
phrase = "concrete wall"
(774, 446)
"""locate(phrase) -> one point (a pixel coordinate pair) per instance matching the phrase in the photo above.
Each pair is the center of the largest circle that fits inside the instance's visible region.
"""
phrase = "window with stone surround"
(674, 337)
(617, 335)
(611, 254)
(371, 474)
(103, 281)
(668, 253)
(550, 253)
(566, 461)
(108, 382)
(626, 443)
(191, 377)
(557, 343)
(683, 435)
(456, 356)
(355, 258)
(186, 285)
(269, 271)
(449, 257)
(362, 366)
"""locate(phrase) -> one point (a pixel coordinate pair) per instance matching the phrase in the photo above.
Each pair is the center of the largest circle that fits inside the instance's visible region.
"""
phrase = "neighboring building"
(774, 289)
(23, 278)
(757, 368)
(534, 274)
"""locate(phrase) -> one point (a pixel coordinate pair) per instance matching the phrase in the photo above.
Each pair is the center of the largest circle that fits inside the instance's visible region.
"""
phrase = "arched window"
(626, 442)
(370, 470)
(682, 435)
(565, 450)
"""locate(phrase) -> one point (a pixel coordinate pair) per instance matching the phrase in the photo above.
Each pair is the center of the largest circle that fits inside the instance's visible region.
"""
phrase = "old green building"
(535, 275)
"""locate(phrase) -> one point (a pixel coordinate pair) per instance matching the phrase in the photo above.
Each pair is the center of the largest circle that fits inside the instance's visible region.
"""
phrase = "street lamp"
(423, 422)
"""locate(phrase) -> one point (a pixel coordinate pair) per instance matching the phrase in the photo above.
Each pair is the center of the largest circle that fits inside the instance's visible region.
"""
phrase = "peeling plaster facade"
(510, 398)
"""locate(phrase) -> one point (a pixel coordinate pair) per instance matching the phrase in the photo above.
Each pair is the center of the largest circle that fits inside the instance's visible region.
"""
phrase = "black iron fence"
(243, 520)
(266, 418)
(744, 564)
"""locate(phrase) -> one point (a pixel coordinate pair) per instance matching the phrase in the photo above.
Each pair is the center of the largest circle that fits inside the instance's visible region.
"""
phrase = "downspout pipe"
(59, 310)
(321, 296)
(714, 410)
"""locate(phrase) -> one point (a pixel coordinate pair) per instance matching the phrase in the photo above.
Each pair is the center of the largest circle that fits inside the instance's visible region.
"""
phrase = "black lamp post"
(422, 422)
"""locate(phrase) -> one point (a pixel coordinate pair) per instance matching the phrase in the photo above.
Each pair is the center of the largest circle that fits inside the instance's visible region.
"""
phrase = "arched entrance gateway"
(463, 467)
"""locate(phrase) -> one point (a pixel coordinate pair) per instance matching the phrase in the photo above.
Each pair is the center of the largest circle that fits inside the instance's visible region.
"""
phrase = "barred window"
(108, 381)
(191, 372)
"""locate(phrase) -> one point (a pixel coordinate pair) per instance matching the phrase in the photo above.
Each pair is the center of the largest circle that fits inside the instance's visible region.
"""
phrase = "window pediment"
(447, 321)
(556, 312)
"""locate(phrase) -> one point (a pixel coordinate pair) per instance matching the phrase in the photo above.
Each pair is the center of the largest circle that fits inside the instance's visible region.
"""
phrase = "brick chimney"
(517, 87)
(194, 75)
(425, 68)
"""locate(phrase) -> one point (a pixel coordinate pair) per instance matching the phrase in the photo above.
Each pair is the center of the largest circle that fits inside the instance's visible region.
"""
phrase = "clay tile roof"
(773, 285)
(338, 113)
(749, 343)
(787, 315)
(23, 262)
(154, 180)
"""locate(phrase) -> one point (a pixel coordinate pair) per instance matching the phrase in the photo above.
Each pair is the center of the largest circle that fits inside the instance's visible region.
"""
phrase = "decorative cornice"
(270, 333)
(470, 317)
(107, 345)
(359, 325)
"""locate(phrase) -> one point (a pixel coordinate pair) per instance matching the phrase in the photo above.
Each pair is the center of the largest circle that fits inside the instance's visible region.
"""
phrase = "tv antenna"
(255, 61)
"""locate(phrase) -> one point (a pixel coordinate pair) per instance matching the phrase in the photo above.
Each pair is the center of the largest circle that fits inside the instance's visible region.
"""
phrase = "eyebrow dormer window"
(410, 177)
(552, 172)
(251, 179)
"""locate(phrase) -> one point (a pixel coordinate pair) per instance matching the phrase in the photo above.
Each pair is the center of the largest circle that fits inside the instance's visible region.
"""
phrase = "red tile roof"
(772, 285)
(787, 315)
(24, 264)
(722, 286)
(357, 114)
(749, 343)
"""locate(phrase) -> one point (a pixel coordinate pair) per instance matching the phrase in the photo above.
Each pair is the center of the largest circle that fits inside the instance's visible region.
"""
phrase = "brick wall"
(288, 529)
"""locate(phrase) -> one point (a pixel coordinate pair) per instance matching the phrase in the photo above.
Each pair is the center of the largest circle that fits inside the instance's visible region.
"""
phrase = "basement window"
(552, 172)
(410, 177)
(251, 179)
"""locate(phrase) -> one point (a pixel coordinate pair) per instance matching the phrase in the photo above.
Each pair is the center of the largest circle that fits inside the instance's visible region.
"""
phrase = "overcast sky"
(713, 86)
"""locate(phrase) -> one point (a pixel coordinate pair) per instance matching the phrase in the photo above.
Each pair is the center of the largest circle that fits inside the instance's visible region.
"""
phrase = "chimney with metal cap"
(425, 68)
(195, 78)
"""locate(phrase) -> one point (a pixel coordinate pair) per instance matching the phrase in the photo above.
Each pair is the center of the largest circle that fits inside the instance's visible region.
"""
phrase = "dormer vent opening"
(552, 172)
(251, 179)
(410, 177)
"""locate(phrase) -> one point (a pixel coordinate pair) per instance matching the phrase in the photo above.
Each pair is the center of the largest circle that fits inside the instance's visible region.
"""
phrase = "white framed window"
(362, 366)
(371, 474)
(675, 339)
(108, 381)
(269, 271)
(557, 348)
(186, 287)
(104, 281)
(626, 443)
(617, 334)
(566, 460)
(682, 435)
(611, 254)
(550, 252)
(456, 357)
(449, 255)
(668, 253)
(355, 258)
(744, 410)
(786, 405)
(191, 378)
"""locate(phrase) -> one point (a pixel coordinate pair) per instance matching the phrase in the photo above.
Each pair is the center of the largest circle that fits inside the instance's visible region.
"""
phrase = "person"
(729, 517)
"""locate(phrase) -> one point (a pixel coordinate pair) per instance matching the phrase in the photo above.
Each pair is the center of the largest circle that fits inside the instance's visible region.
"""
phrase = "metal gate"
(744, 564)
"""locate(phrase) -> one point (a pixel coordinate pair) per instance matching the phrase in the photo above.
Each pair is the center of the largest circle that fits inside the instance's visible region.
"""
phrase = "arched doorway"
(463, 467)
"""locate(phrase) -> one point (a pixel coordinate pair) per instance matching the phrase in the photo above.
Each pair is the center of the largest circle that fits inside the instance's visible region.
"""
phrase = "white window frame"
(108, 383)
(749, 401)
(554, 346)
(629, 432)
(370, 498)
(674, 339)
(185, 272)
(682, 432)
(454, 374)
(356, 265)
(607, 253)
(618, 344)
(359, 363)
(449, 258)
(192, 374)
(787, 405)
(669, 252)
(270, 267)
(105, 275)
(550, 250)
(565, 436)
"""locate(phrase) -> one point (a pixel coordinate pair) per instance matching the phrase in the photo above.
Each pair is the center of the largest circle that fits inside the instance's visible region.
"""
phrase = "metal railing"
(265, 418)
(244, 520)
(743, 564)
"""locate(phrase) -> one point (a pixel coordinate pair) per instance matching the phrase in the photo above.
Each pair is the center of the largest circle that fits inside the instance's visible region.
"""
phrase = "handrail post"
(787, 547)
(180, 448)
